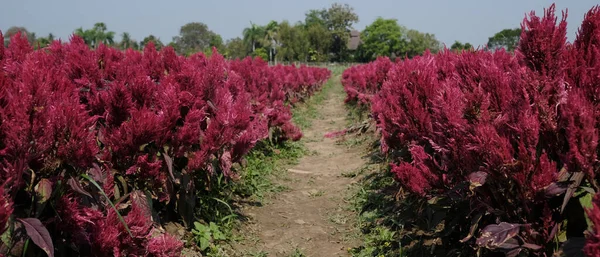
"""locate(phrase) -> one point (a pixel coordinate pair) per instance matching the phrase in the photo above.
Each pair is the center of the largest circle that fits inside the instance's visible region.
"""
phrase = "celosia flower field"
(97, 146)
(506, 144)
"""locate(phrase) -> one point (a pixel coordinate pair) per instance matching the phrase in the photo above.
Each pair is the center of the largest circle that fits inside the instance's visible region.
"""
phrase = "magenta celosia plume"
(515, 127)
(132, 122)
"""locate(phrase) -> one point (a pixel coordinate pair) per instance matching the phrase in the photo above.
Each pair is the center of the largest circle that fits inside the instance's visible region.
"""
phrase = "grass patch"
(375, 205)
(303, 113)
(372, 198)
(357, 113)
(264, 163)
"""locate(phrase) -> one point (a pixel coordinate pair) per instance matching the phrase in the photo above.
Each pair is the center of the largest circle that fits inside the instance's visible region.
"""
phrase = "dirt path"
(311, 217)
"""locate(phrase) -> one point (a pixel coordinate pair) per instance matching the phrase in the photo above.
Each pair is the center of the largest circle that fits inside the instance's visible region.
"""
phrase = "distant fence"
(318, 64)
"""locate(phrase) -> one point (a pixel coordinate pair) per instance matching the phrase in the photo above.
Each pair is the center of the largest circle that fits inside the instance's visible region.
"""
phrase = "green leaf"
(198, 226)
(586, 203)
(204, 243)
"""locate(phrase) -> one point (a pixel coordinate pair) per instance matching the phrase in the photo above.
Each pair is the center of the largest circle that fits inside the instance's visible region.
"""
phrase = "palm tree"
(87, 35)
(253, 35)
(96, 35)
(270, 35)
(127, 42)
(102, 36)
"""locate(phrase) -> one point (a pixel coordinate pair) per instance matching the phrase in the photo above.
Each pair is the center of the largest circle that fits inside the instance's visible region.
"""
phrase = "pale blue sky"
(464, 20)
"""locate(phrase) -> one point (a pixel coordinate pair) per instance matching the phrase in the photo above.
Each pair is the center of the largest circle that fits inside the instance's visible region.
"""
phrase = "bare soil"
(311, 217)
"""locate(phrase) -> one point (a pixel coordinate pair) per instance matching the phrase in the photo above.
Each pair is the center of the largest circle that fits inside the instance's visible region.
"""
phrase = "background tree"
(383, 37)
(103, 35)
(293, 42)
(127, 42)
(42, 42)
(339, 19)
(97, 35)
(253, 35)
(14, 30)
(315, 17)
(419, 42)
(319, 39)
(507, 39)
(269, 40)
(458, 46)
(151, 38)
(195, 37)
(262, 53)
(235, 48)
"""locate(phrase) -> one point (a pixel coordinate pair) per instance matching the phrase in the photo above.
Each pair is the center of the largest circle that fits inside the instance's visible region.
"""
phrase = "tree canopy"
(127, 42)
(14, 30)
(235, 48)
(419, 42)
(294, 44)
(383, 37)
(151, 38)
(97, 35)
(196, 37)
(458, 46)
(253, 35)
(507, 39)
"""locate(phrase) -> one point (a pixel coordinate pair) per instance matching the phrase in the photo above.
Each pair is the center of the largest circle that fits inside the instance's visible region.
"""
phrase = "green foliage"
(339, 19)
(294, 44)
(383, 37)
(151, 38)
(99, 34)
(205, 235)
(507, 39)
(419, 42)
(235, 49)
(458, 46)
(261, 53)
(42, 42)
(196, 37)
(378, 213)
(297, 253)
(316, 17)
(270, 38)
(127, 42)
(329, 30)
(319, 40)
(253, 36)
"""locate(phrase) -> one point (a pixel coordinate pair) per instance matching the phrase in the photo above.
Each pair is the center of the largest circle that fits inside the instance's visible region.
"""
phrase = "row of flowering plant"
(363, 81)
(99, 147)
(504, 145)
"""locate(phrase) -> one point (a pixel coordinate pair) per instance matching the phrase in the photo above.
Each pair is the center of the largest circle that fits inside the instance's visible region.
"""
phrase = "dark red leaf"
(555, 189)
(493, 236)
(39, 234)
(575, 179)
(142, 201)
(532, 246)
(477, 179)
(169, 162)
(76, 186)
